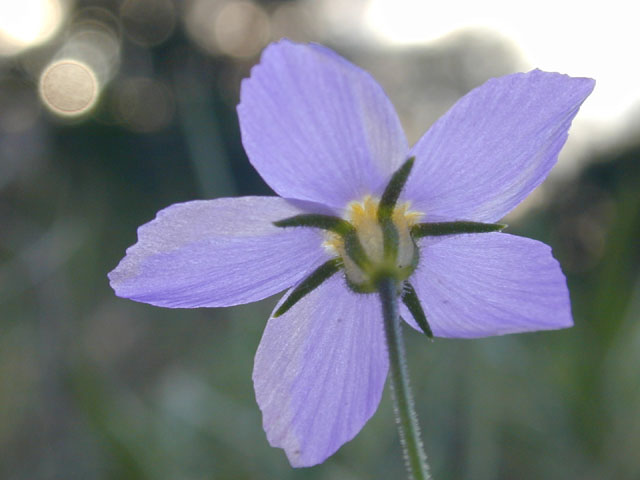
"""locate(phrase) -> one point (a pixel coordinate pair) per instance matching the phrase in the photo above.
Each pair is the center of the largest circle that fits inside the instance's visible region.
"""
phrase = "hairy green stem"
(406, 418)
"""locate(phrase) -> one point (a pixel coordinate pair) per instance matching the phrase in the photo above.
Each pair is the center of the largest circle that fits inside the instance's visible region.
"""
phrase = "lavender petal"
(320, 370)
(490, 284)
(494, 146)
(214, 253)
(316, 127)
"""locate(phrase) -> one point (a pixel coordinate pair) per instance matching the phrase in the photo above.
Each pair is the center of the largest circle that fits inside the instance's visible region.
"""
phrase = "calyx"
(376, 241)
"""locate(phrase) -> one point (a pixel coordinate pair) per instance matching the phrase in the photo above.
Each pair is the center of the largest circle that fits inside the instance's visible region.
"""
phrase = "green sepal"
(411, 300)
(325, 222)
(355, 250)
(393, 190)
(352, 245)
(309, 284)
(420, 230)
(390, 239)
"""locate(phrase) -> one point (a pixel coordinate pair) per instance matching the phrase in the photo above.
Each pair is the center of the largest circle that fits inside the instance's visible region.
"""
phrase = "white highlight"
(27, 23)
(591, 39)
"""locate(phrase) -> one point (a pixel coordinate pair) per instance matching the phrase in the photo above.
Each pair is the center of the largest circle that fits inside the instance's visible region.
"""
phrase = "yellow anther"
(363, 215)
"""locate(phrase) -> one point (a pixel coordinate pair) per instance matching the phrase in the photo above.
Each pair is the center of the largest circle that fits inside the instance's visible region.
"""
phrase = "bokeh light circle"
(28, 23)
(148, 22)
(242, 29)
(143, 104)
(69, 88)
(235, 28)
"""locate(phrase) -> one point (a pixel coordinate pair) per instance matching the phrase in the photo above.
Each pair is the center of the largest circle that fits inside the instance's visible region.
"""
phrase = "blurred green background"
(96, 387)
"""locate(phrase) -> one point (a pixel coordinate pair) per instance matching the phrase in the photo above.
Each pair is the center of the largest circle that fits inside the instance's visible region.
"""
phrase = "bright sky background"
(598, 39)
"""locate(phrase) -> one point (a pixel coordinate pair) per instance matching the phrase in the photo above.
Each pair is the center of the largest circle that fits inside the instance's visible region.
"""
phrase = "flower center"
(400, 262)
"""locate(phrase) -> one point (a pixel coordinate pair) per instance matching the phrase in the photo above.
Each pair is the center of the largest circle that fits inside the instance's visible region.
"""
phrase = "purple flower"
(324, 136)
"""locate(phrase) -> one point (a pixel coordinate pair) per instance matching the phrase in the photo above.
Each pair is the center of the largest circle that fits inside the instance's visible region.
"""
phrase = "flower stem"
(415, 458)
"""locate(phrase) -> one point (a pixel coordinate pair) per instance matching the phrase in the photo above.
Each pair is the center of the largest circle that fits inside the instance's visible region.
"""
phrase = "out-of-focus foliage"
(97, 387)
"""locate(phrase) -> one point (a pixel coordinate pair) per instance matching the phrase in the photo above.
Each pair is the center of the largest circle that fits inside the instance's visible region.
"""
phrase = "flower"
(323, 134)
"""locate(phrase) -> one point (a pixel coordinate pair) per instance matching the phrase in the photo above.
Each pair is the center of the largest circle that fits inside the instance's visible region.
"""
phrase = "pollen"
(363, 215)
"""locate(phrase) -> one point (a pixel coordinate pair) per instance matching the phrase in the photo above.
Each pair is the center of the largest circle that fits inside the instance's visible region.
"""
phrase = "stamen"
(373, 241)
